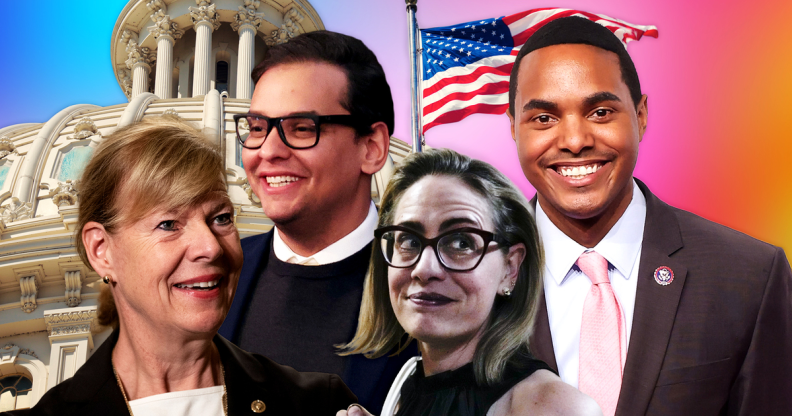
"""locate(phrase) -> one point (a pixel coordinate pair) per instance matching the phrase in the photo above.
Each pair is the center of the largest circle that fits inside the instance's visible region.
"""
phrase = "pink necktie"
(602, 336)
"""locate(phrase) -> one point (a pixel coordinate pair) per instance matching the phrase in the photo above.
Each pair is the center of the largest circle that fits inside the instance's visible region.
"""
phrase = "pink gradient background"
(719, 78)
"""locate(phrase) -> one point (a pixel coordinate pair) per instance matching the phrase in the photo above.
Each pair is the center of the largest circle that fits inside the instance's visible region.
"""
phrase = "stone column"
(204, 17)
(70, 336)
(166, 32)
(138, 60)
(246, 22)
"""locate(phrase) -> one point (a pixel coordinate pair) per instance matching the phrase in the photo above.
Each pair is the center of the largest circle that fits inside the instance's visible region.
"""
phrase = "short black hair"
(368, 96)
(577, 30)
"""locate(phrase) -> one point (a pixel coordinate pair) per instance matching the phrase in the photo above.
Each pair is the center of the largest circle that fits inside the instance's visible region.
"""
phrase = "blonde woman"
(457, 267)
(156, 222)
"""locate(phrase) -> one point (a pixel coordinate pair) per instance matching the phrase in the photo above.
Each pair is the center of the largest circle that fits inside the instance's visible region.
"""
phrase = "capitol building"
(187, 58)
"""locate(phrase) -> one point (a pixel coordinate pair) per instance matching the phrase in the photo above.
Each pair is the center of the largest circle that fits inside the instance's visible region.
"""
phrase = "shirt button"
(258, 406)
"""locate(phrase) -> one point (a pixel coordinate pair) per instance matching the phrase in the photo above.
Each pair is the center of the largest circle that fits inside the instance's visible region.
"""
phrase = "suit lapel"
(655, 306)
(541, 341)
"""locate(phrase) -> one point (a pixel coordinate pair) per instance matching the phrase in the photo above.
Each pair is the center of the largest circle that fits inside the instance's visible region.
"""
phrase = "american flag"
(466, 67)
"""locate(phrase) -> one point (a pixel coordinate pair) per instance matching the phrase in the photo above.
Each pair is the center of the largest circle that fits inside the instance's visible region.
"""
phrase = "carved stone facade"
(85, 128)
(247, 15)
(15, 210)
(6, 147)
(70, 322)
(29, 287)
(73, 287)
(171, 112)
(9, 353)
(289, 29)
(164, 26)
(205, 12)
(249, 191)
(125, 78)
(138, 55)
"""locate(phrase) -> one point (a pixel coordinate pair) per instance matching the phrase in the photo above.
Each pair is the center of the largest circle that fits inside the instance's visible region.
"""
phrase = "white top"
(566, 288)
(348, 245)
(394, 394)
(198, 402)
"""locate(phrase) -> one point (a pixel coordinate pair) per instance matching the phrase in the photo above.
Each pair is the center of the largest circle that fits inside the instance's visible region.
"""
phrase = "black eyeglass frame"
(272, 122)
(432, 242)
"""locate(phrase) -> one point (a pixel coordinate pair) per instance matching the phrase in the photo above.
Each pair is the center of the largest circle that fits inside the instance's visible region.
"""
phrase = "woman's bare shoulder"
(543, 393)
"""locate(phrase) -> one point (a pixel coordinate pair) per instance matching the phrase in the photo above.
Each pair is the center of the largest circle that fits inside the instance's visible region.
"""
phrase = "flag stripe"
(497, 99)
(489, 73)
(457, 115)
(497, 61)
(486, 89)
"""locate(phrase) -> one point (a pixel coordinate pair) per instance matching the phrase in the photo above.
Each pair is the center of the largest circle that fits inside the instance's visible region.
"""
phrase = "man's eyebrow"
(541, 105)
(292, 114)
(600, 97)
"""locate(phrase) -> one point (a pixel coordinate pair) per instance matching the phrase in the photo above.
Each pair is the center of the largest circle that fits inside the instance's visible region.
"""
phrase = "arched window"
(4, 169)
(15, 392)
(221, 72)
(74, 162)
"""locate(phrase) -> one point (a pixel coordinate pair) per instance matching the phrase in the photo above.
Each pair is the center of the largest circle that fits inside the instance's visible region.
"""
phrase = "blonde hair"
(511, 320)
(159, 162)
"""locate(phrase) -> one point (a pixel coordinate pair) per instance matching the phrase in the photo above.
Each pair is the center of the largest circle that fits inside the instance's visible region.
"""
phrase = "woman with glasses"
(457, 267)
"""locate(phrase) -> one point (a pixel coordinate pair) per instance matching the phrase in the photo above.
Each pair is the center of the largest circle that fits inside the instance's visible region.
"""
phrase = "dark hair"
(510, 323)
(577, 30)
(369, 95)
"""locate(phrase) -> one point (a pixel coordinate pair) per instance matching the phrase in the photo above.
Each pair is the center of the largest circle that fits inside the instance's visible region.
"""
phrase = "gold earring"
(106, 279)
(507, 292)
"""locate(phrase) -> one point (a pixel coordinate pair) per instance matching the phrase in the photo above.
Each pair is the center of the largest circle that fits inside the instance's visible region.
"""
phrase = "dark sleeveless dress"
(456, 393)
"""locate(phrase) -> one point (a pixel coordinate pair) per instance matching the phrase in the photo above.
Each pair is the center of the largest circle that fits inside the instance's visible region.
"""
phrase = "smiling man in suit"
(647, 308)
(319, 127)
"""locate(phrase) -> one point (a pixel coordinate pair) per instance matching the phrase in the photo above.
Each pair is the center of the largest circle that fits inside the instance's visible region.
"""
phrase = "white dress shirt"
(348, 245)
(566, 287)
(199, 402)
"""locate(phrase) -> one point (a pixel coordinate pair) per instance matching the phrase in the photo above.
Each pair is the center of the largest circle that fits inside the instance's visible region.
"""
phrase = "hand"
(354, 410)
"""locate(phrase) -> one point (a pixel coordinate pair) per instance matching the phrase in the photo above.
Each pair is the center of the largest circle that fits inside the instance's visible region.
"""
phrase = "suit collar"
(655, 308)
(620, 246)
(655, 305)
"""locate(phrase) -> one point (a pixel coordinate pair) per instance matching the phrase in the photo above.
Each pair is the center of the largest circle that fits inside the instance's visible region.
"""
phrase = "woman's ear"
(97, 245)
(514, 260)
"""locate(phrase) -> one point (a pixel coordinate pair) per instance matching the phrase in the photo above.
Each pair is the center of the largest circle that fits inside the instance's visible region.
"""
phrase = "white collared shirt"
(348, 245)
(199, 402)
(566, 288)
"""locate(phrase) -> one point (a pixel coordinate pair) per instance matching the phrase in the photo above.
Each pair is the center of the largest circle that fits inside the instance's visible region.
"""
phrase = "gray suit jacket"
(718, 339)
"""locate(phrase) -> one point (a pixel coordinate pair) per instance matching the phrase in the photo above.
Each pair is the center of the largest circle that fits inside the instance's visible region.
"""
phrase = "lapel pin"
(663, 275)
(258, 406)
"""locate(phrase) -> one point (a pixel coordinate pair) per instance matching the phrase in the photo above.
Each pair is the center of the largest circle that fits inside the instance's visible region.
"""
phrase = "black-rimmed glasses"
(297, 132)
(458, 250)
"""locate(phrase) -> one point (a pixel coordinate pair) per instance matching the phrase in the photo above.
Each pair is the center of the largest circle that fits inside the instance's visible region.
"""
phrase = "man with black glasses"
(319, 127)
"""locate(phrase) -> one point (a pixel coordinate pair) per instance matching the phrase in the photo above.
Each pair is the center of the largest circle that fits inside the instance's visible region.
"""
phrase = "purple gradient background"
(718, 80)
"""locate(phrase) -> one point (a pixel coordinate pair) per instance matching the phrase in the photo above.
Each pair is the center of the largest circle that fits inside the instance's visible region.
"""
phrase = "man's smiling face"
(577, 131)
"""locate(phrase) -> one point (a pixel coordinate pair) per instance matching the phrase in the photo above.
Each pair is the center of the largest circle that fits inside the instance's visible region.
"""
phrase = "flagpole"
(415, 88)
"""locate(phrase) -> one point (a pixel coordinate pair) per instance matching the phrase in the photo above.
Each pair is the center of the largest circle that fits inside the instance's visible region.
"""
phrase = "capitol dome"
(188, 58)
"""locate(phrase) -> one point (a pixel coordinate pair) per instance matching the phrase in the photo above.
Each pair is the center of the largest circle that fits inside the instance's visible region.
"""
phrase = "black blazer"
(249, 377)
(718, 339)
(369, 379)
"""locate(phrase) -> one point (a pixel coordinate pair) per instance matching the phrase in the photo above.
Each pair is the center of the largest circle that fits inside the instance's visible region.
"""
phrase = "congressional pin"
(664, 275)
(258, 406)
